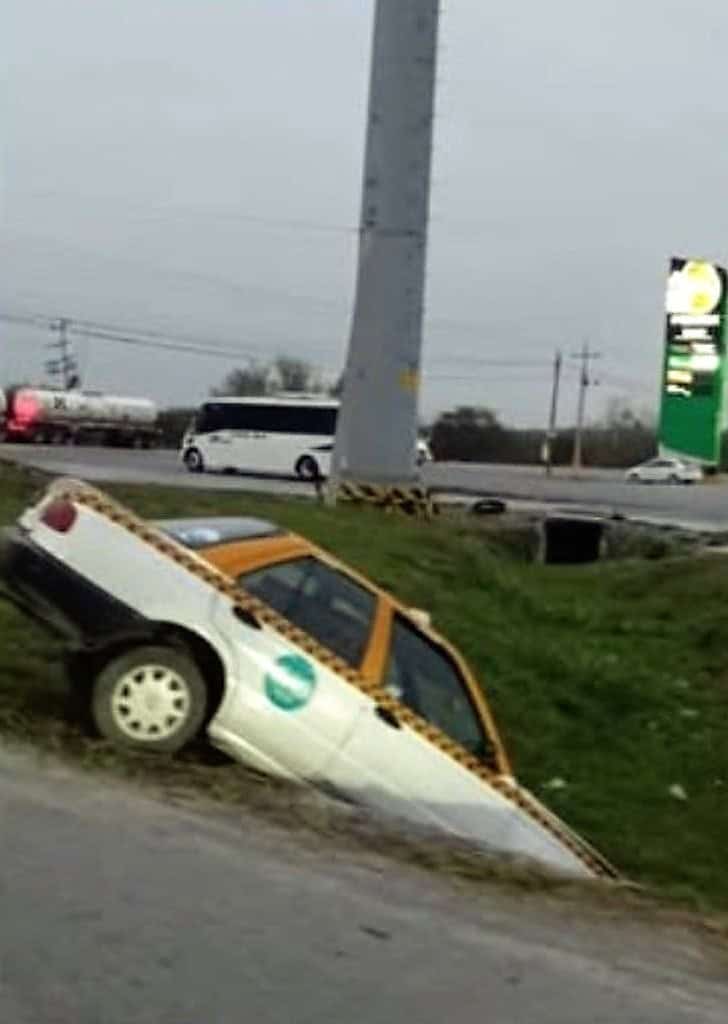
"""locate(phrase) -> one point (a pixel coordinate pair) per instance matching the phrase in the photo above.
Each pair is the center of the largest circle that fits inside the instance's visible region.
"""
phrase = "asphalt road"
(703, 506)
(116, 908)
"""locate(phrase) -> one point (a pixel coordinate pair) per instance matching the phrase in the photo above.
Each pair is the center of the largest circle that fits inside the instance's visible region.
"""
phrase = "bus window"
(268, 418)
(211, 417)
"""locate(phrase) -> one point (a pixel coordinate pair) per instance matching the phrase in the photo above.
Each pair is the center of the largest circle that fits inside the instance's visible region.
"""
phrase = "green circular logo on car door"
(291, 687)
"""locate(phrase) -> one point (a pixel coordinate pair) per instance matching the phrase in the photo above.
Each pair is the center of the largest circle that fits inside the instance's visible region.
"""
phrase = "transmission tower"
(64, 367)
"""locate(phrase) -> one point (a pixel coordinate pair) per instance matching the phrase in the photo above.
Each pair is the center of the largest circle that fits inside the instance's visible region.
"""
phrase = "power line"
(142, 339)
(181, 342)
(479, 378)
(190, 345)
(169, 346)
(154, 210)
(515, 363)
(144, 333)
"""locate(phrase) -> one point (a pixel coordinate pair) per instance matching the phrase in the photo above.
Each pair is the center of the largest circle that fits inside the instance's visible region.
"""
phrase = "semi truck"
(50, 416)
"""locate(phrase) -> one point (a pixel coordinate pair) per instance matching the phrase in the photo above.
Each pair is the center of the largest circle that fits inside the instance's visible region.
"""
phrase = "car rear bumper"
(60, 599)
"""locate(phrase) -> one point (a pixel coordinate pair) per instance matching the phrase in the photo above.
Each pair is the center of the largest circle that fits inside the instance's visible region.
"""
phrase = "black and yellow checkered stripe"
(410, 501)
(88, 496)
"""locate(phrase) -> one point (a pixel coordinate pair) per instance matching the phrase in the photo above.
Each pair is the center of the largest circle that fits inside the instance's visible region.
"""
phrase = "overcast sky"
(194, 166)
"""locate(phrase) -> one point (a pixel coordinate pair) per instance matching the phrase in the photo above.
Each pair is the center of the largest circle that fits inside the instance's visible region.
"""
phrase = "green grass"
(612, 677)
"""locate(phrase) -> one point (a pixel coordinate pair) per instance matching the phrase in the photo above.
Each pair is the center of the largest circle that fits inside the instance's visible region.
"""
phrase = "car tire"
(193, 460)
(307, 468)
(673, 479)
(150, 698)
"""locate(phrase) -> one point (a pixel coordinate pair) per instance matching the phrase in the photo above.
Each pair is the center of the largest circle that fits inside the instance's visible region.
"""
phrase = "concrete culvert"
(572, 540)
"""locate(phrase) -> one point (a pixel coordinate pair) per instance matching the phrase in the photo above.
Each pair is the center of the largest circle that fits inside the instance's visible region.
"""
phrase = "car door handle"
(387, 716)
(245, 616)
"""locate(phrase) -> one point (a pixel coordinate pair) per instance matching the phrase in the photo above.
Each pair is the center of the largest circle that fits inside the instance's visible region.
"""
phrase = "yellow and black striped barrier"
(408, 501)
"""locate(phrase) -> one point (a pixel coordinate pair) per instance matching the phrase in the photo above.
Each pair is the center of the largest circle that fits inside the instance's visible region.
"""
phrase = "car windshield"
(423, 676)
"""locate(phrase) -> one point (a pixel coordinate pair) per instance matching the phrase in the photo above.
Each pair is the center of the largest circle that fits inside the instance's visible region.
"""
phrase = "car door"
(665, 470)
(650, 471)
(288, 706)
(387, 763)
(390, 765)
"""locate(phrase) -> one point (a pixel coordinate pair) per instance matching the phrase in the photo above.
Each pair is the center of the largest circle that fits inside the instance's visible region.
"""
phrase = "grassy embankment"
(612, 678)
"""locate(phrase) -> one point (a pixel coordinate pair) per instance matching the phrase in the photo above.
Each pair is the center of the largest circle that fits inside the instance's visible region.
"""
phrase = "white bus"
(282, 435)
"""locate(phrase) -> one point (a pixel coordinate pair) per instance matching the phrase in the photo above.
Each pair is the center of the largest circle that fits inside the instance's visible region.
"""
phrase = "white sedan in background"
(665, 471)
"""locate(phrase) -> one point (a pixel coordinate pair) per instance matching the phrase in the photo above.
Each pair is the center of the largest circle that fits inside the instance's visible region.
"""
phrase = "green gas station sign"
(691, 406)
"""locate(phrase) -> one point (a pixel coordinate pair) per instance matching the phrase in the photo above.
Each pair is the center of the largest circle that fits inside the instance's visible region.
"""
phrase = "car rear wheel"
(193, 460)
(150, 698)
(307, 468)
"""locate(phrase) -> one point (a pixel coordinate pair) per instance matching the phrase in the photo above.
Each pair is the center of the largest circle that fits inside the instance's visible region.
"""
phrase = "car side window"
(326, 604)
(426, 679)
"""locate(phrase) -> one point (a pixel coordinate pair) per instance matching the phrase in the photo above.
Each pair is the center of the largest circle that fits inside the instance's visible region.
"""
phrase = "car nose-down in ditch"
(288, 660)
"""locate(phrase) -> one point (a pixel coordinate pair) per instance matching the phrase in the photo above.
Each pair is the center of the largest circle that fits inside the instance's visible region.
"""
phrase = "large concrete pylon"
(377, 427)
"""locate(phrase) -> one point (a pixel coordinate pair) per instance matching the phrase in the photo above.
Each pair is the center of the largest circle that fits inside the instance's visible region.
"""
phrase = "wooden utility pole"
(551, 432)
(585, 381)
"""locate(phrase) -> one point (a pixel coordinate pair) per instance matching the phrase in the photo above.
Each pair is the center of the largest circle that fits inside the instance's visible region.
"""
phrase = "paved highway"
(117, 908)
(702, 506)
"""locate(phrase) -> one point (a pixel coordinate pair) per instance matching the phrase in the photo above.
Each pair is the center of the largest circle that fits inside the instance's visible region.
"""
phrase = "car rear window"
(205, 533)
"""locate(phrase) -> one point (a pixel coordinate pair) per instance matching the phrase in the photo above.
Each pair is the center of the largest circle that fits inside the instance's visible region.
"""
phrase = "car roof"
(213, 530)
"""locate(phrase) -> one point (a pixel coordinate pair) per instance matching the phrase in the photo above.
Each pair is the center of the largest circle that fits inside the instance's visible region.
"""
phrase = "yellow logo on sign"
(695, 289)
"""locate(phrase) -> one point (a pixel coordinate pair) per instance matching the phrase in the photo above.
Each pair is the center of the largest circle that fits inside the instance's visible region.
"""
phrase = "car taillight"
(59, 515)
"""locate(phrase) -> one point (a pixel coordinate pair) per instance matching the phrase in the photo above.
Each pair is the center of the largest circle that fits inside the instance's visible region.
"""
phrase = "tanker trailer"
(48, 416)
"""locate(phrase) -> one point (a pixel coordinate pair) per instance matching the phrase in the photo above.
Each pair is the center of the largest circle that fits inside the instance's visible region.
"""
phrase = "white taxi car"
(292, 663)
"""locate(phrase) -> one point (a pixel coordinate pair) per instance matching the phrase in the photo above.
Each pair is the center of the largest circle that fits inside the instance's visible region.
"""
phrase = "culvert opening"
(572, 540)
